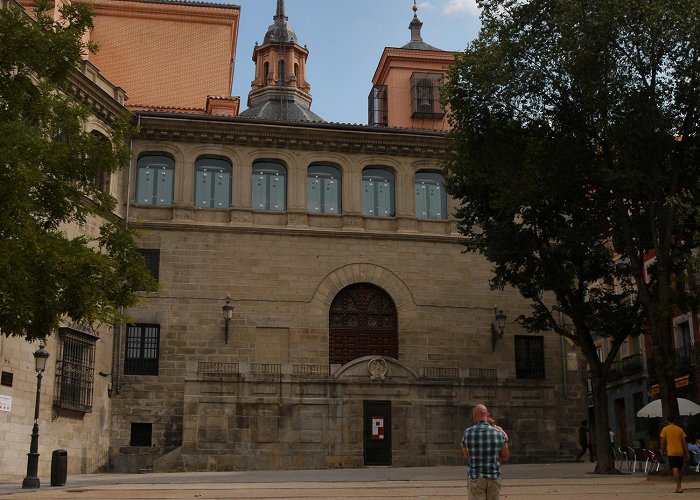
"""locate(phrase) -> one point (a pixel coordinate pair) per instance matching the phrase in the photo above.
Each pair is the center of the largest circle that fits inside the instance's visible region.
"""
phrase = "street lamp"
(497, 327)
(32, 480)
(228, 314)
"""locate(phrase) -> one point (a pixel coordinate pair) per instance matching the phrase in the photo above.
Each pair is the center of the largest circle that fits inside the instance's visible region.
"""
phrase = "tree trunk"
(605, 460)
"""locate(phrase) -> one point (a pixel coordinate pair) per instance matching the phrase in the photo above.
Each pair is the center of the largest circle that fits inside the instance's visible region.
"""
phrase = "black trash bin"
(59, 467)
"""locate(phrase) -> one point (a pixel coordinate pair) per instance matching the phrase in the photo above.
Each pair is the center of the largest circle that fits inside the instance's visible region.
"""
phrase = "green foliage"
(47, 170)
(575, 129)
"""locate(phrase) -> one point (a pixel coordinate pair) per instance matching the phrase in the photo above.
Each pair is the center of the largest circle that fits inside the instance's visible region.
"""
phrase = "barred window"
(377, 106)
(529, 356)
(425, 95)
(75, 370)
(142, 350)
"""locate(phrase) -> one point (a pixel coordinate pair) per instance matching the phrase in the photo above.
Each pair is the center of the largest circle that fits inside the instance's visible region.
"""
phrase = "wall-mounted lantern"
(498, 327)
(227, 309)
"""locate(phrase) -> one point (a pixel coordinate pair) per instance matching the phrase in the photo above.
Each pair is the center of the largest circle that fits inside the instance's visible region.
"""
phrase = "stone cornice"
(285, 135)
(452, 239)
(104, 106)
(209, 13)
(391, 56)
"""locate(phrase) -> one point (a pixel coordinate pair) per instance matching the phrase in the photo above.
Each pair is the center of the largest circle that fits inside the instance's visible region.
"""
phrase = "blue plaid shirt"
(483, 442)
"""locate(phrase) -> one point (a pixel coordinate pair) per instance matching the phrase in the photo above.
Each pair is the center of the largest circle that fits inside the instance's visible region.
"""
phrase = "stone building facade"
(278, 394)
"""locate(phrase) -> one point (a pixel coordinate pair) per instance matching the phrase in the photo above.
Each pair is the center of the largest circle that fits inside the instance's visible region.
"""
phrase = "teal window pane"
(323, 189)
(378, 192)
(277, 191)
(313, 195)
(202, 189)
(269, 187)
(212, 183)
(431, 198)
(155, 178)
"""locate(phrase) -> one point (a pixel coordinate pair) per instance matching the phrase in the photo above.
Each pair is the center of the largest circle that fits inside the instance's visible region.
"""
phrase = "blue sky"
(345, 41)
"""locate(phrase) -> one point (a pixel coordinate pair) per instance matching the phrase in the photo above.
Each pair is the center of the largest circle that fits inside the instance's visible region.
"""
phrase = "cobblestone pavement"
(540, 481)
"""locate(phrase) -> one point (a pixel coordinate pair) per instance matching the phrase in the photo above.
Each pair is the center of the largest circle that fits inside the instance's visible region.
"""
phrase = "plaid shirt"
(483, 442)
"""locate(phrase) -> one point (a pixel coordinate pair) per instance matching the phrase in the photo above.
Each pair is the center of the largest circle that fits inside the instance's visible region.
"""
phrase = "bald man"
(484, 446)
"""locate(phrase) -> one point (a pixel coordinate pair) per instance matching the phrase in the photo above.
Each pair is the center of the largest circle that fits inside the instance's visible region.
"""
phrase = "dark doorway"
(377, 432)
(363, 322)
(621, 412)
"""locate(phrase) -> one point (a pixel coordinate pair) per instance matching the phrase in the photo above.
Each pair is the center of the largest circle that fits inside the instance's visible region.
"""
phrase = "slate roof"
(281, 108)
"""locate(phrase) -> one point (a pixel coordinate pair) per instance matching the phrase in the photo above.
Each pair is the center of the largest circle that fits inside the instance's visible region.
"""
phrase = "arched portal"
(363, 322)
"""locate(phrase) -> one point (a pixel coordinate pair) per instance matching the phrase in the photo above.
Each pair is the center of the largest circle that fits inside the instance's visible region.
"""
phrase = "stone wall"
(238, 419)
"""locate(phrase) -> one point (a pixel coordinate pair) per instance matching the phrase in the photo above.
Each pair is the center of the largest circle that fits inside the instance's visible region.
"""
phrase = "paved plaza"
(570, 481)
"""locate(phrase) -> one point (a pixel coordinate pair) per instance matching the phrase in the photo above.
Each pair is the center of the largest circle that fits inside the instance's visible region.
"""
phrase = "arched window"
(323, 190)
(155, 179)
(425, 95)
(378, 192)
(431, 198)
(101, 179)
(212, 183)
(266, 69)
(363, 322)
(269, 187)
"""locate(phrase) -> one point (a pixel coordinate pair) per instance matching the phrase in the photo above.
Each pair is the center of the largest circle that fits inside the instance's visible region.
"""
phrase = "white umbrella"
(653, 409)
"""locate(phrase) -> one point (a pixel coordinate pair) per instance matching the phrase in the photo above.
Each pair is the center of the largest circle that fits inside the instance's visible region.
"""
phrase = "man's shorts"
(675, 462)
(484, 489)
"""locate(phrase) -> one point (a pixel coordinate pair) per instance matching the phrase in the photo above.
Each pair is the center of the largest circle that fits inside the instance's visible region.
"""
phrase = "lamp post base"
(31, 483)
(32, 480)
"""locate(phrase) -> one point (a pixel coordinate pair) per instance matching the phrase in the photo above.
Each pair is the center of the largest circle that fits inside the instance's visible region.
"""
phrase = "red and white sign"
(377, 428)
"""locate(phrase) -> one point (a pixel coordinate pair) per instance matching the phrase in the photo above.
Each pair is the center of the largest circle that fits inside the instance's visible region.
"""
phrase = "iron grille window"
(142, 350)
(6, 379)
(141, 434)
(152, 260)
(529, 357)
(425, 95)
(75, 371)
(377, 107)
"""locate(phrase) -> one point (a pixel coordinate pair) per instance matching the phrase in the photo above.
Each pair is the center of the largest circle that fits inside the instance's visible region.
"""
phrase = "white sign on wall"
(5, 403)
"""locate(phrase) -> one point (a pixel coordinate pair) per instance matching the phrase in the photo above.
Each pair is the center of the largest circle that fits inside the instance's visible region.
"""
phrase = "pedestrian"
(612, 445)
(484, 447)
(584, 441)
(674, 447)
(693, 451)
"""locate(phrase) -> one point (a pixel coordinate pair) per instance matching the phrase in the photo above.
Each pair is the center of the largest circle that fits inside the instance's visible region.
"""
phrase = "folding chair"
(631, 457)
(622, 450)
(697, 460)
(651, 460)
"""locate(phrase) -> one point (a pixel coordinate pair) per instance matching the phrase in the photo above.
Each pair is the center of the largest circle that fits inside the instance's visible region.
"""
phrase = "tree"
(48, 165)
(575, 159)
